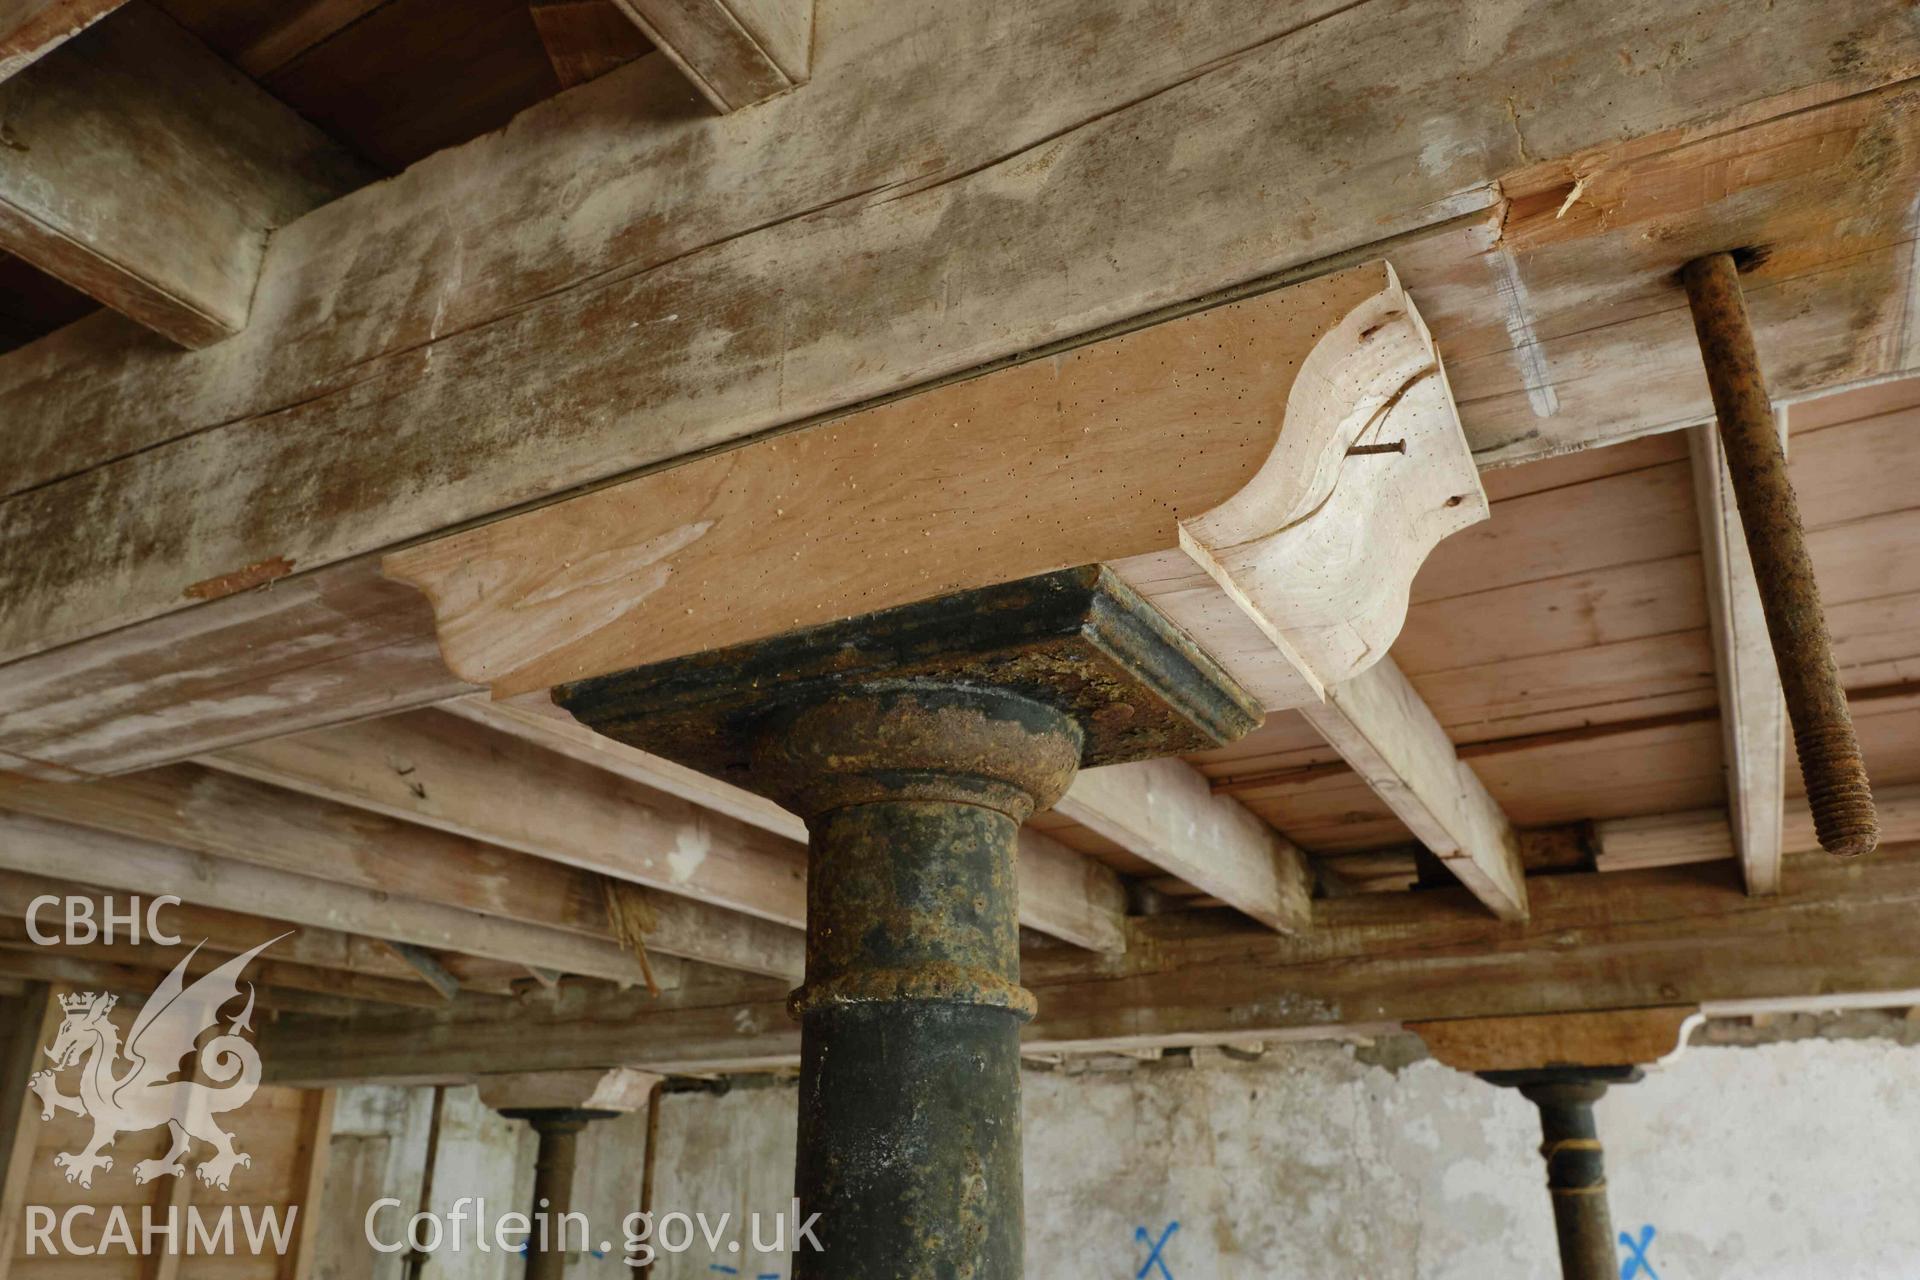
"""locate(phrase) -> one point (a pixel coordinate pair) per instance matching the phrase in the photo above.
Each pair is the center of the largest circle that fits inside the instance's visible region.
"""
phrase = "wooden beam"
(535, 719)
(736, 52)
(594, 1089)
(1706, 835)
(145, 172)
(1753, 712)
(463, 777)
(445, 772)
(134, 984)
(1165, 812)
(1062, 893)
(36, 1018)
(476, 898)
(548, 372)
(340, 644)
(1380, 725)
(1601, 1038)
(29, 29)
(585, 39)
(26, 1016)
(225, 932)
(1249, 545)
(1683, 935)
(20, 954)
(482, 899)
(1067, 895)
(307, 1181)
(46, 848)
(428, 966)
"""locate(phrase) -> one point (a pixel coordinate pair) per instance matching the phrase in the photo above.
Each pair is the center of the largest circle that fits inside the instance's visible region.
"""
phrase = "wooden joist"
(340, 644)
(144, 171)
(321, 961)
(30, 29)
(490, 359)
(48, 848)
(1683, 935)
(1753, 711)
(1164, 812)
(1706, 835)
(481, 898)
(445, 772)
(585, 39)
(736, 52)
(35, 1018)
(1062, 894)
(229, 933)
(428, 967)
(1380, 725)
(35, 964)
(22, 957)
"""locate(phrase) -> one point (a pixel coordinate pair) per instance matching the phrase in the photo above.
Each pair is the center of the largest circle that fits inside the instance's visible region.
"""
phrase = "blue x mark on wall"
(1635, 1264)
(1156, 1248)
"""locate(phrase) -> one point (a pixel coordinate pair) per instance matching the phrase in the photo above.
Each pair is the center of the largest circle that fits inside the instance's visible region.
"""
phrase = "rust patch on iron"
(227, 584)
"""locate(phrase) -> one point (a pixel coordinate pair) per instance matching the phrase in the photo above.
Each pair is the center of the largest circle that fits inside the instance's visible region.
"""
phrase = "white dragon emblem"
(151, 1093)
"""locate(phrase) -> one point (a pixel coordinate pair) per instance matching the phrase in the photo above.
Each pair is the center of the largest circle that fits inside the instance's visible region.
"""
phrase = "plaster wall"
(1786, 1160)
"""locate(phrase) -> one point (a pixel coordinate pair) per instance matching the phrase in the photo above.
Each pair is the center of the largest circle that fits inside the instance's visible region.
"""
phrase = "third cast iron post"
(914, 742)
(1576, 1164)
(558, 1128)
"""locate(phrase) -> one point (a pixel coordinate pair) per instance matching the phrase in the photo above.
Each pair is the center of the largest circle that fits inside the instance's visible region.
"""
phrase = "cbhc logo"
(88, 922)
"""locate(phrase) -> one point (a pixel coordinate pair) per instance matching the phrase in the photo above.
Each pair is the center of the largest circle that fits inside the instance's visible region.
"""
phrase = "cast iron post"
(558, 1127)
(914, 742)
(1576, 1167)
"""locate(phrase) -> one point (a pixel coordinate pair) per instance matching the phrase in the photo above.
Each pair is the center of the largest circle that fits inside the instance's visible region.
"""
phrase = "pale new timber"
(1165, 812)
(1706, 835)
(339, 644)
(464, 778)
(1379, 725)
(1062, 893)
(1753, 710)
(1298, 553)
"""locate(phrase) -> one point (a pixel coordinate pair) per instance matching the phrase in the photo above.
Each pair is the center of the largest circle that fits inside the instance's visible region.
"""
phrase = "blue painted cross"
(1153, 1258)
(1636, 1263)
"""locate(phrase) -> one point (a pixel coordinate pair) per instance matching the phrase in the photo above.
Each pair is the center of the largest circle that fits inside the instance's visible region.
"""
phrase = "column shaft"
(1576, 1179)
(910, 1045)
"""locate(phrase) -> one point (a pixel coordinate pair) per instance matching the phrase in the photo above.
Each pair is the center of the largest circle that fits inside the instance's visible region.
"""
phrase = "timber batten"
(1601, 942)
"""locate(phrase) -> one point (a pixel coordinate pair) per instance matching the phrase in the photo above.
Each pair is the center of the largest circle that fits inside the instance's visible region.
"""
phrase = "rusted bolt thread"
(1836, 778)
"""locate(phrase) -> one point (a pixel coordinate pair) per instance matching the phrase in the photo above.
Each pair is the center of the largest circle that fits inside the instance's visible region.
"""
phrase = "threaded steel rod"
(1830, 762)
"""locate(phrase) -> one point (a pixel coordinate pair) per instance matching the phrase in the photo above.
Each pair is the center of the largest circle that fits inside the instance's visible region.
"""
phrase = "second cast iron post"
(915, 742)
